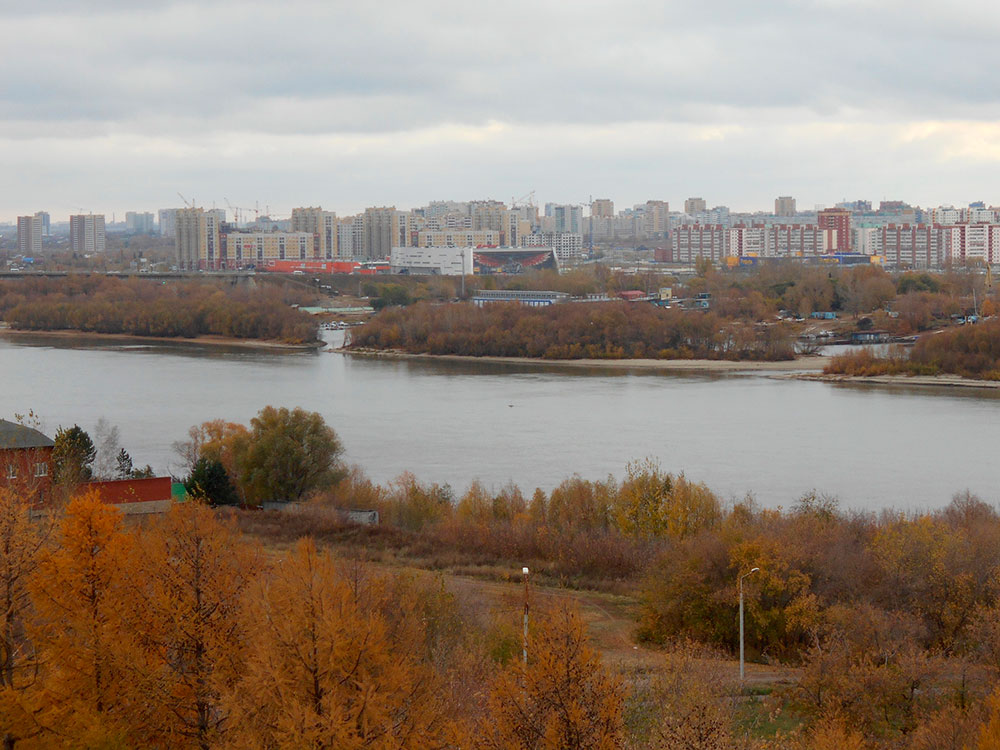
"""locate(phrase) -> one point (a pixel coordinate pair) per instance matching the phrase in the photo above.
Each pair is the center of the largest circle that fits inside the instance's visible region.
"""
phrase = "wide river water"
(452, 422)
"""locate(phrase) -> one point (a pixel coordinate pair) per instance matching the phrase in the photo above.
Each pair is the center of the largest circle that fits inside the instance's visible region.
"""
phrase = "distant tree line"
(607, 330)
(144, 307)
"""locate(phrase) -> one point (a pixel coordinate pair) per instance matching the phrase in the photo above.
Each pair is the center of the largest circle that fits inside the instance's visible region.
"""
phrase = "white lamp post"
(524, 650)
(752, 571)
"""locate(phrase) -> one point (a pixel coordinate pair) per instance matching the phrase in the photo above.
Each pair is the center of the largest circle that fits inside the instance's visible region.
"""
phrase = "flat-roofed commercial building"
(434, 261)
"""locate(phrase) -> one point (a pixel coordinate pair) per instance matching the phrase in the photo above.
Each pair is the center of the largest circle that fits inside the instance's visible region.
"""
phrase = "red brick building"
(25, 458)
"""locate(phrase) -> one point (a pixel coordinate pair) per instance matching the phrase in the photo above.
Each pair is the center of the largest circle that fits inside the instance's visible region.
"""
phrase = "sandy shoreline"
(803, 364)
(132, 338)
(937, 381)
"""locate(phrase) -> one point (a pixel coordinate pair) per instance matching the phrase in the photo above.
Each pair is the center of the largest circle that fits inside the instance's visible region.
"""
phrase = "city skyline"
(354, 106)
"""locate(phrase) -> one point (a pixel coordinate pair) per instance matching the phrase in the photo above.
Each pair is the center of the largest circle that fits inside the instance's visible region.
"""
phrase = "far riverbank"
(127, 338)
(801, 364)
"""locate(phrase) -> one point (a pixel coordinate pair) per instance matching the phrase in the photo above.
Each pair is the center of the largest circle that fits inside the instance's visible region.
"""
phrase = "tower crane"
(189, 204)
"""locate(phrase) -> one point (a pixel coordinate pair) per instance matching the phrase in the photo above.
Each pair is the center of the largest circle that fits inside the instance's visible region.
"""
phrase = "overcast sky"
(115, 105)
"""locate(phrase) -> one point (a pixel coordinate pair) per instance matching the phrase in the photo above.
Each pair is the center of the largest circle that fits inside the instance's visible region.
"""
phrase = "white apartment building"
(566, 245)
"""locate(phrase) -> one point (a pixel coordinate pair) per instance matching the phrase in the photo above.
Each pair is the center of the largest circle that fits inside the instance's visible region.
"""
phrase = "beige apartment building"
(602, 208)
(257, 248)
(459, 238)
(29, 235)
(695, 206)
(784, 206)
(196, 238)
(322, 224)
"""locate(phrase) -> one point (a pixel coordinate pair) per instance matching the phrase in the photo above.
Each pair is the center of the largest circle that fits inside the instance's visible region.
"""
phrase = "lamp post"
(524, 643)
(752, 571)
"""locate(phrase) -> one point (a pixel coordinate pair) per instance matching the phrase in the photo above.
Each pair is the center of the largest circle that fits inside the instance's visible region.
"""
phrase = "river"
(452, 422)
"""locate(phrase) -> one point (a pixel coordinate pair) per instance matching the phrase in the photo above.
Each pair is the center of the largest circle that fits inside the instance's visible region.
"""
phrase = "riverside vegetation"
(888, 625)
(143, 307)
(971, 351)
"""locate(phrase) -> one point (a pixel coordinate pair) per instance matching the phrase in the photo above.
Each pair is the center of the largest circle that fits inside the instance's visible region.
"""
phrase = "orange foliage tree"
(562, 700)
(326, 671)
(77, 626)
(191, 571)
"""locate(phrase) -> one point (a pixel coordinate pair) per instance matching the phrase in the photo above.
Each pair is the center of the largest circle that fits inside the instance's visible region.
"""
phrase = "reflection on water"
(534, 424)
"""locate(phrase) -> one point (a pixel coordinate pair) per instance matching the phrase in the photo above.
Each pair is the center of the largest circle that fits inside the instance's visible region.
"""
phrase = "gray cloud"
(328, 89)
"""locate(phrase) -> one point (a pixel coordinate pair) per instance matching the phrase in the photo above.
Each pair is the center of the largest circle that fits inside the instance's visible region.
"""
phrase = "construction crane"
(189, 204)
(235, 209)
(528, 200)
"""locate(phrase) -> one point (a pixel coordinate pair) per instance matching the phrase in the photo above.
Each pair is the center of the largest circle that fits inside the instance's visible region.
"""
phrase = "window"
(11, 471)
(41, 469)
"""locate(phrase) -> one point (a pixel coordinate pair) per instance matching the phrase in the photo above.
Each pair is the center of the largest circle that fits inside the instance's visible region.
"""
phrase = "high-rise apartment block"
(567, 218)
(381, 231)
(603, 208)
(29, 235)
(784, 206)
(197, 238)
(139, 222)
(322, 225)
(86, 233)
(46, 222)
(695, 206)
(167, 221)
(655, 218)
(840, 220)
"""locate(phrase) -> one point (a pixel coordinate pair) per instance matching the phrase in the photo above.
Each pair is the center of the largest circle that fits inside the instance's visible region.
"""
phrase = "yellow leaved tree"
(76, 627)
(188, 577)
(563, 699)
(325, 671)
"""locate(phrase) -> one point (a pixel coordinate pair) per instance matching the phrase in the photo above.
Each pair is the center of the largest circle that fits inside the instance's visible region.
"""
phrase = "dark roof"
(13, 435)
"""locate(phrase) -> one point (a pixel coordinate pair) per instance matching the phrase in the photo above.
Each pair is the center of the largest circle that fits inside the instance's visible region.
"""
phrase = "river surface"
(452, 422)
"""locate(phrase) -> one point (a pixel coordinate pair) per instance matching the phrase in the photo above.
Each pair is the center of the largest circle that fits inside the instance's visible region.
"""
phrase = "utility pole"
(752, 571)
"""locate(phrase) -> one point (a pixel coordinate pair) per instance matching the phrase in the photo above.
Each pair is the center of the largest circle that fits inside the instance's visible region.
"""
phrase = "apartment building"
(692, 241)
(322, 225)
(86, 233)
(838, 219)
(29, 235)
(694, 206)
(197, 238)
(784, 206)
(242, 249)
(381, 231)
(459, 238)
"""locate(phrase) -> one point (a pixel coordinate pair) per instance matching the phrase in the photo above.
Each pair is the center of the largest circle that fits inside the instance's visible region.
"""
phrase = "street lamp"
(752, 571)
(524, 649)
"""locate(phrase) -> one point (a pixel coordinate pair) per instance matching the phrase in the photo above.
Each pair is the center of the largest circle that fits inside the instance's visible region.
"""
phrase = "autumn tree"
(652, 502)
(77, 626)
(21, 542)
(191, 573)
(290, 453)
(328, 672)
(563, 699)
